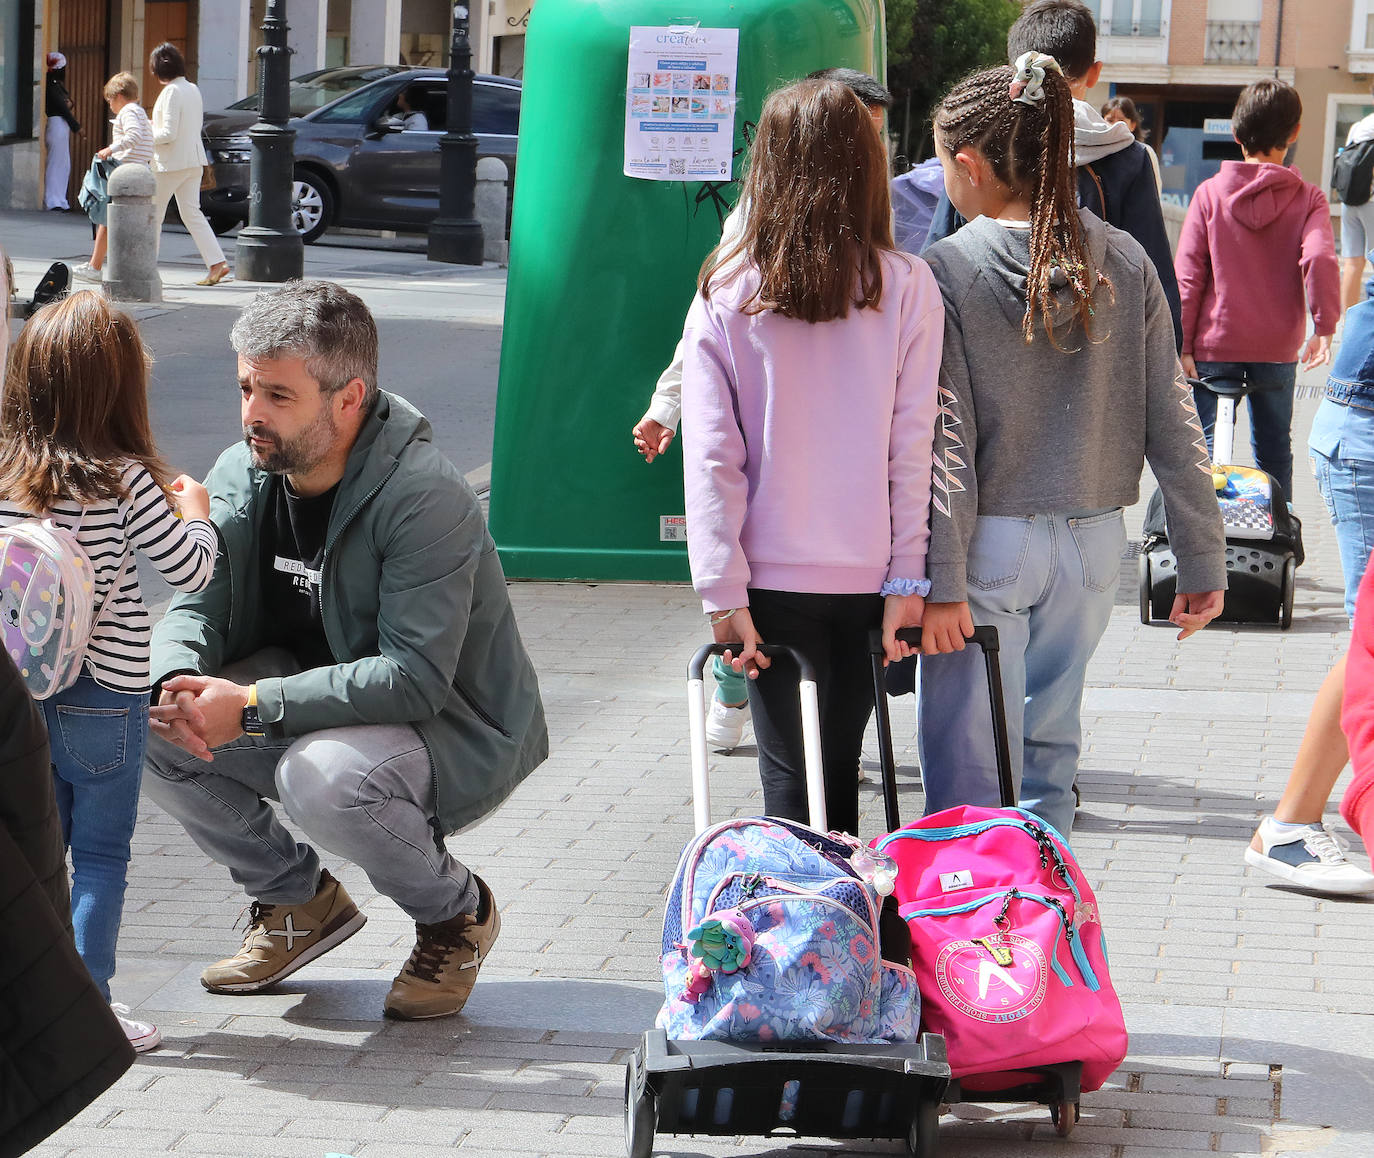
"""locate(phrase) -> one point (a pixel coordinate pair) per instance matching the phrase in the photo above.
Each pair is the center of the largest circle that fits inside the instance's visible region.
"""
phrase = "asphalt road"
(447, 369)
(439, 328)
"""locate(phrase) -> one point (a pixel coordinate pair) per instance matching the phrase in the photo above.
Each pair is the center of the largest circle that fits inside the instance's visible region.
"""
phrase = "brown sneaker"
(282, 938)
(443, 965)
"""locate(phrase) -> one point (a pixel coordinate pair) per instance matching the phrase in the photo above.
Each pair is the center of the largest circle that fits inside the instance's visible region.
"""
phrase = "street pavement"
(1248, 1002)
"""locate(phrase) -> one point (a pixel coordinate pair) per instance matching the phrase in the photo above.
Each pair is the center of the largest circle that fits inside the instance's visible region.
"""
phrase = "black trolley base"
(811, 1090)
(1055, 1086)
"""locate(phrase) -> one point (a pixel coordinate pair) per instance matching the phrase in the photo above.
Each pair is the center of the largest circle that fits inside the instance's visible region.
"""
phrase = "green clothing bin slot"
(603, 265)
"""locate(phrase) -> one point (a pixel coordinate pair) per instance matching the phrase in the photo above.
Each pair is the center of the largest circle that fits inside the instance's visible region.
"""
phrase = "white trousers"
(57, 135)
(184, 185)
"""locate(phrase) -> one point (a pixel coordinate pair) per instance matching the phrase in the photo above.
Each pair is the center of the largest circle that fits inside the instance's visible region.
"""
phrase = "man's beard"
(298, 455)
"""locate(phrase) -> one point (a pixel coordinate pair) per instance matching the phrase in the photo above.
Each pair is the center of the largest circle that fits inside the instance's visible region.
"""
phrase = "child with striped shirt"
(131, 141)
(76, 447)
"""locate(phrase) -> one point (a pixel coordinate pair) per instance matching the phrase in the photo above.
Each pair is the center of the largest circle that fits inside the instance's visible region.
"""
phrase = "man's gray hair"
(319, 322)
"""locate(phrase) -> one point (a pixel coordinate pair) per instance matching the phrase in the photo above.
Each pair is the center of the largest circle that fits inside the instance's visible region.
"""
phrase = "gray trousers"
(365, 793)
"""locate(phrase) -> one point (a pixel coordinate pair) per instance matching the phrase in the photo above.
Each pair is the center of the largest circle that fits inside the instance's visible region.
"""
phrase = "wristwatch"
(250, 723)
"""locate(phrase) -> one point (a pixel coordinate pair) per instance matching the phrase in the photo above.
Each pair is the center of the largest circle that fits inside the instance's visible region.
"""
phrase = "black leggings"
(831, 631)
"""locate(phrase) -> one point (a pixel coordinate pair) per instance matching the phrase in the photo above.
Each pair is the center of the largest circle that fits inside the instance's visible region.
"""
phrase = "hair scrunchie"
(1028, 85)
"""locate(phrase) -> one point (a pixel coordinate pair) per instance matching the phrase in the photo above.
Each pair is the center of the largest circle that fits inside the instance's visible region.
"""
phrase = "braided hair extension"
(1029, 147)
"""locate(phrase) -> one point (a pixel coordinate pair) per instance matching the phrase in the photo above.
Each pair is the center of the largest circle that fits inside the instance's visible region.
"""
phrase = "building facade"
(219, 39)
(1184, 62)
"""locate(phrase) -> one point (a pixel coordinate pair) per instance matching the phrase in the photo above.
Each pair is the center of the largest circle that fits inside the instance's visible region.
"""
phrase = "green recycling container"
(603, 266)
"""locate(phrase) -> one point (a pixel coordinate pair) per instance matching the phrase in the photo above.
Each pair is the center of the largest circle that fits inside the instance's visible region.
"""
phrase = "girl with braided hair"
(1059, 380)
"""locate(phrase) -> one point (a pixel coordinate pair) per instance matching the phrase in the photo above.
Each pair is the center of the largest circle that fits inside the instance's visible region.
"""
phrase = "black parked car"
(367, 147)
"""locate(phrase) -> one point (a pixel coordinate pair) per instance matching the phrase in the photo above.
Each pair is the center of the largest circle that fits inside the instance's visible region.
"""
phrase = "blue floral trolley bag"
(780, 1013)
(771, 934)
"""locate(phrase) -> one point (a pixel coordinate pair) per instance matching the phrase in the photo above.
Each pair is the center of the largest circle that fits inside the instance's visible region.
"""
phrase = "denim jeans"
(1347, 488)
(1048, 584)
(97, 738)
(1271, 412)
(363, 792)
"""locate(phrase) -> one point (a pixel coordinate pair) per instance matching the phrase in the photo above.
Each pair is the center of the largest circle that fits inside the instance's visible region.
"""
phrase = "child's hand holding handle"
(945, 626)
(737, 627)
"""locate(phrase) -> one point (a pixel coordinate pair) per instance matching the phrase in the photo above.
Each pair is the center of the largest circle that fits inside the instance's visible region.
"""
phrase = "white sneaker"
(1311, 856)
(725, 725)
(86, 272)
(142, 1035)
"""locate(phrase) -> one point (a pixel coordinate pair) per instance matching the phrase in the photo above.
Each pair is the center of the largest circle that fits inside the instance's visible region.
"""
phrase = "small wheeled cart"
(821, 1091)
(783, 1089)
(1263, 536)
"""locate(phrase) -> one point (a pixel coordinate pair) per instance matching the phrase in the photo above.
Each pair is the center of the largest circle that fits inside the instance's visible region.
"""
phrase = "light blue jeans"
(363, 792)
(97, 738)
(1347, 487)
(1048, 584)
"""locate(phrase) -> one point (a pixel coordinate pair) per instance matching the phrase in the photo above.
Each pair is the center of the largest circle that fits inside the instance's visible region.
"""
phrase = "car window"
(352, 110)
(315, 89)
(495, 109)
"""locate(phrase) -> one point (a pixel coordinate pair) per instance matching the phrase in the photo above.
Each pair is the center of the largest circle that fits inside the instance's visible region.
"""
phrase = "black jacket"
(57, 101)
(60, 1046)
(1121, 190)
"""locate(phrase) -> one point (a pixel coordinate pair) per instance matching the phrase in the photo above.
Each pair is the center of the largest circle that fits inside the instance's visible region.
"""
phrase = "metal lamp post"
(456, 235)
(269, 247)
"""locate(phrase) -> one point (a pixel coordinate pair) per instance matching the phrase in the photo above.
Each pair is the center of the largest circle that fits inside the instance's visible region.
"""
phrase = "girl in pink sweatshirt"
(812, 353)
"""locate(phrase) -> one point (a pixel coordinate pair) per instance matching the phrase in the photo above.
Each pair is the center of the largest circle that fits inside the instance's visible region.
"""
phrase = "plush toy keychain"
(720, 944)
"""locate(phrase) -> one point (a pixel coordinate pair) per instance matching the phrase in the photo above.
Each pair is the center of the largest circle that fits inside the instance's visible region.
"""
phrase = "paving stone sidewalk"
(1249, 1004)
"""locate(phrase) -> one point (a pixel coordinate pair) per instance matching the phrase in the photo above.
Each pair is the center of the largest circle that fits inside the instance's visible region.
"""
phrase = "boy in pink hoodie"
(1255, 254)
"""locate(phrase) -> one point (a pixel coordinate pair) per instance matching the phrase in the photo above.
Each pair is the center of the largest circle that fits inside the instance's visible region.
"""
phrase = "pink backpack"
(1007, 946)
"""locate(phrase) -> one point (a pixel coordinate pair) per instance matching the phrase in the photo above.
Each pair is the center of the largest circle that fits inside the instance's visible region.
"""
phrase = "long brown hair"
(818, 210)
(1030, 150)
(75, 406)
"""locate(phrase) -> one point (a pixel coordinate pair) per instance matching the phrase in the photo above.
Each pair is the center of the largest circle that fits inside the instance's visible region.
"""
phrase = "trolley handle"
(986, 639)
(810, 721)
(767, 650)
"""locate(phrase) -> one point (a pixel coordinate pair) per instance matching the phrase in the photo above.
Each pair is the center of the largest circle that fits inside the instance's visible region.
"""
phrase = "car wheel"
(312, 206)
(221, 224)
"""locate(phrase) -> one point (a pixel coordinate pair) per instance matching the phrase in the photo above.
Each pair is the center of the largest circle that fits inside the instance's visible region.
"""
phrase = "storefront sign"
(680, 103)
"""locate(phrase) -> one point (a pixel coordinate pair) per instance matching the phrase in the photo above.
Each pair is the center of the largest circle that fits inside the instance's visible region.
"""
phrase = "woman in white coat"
(179, 156)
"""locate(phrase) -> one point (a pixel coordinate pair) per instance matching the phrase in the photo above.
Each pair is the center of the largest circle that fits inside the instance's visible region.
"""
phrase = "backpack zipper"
(1037, 832)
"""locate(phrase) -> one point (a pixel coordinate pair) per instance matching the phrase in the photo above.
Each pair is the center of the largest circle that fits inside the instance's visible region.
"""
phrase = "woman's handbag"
(207, 178)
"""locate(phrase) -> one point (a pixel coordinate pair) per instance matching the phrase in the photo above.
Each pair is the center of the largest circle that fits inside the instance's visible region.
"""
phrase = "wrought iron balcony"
(1232, 42)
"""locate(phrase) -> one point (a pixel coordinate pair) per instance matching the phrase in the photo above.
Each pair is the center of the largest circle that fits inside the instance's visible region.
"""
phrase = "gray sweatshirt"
(1030, 429)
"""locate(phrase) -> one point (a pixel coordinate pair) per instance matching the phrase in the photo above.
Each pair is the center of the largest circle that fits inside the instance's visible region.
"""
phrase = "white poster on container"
(680, 103)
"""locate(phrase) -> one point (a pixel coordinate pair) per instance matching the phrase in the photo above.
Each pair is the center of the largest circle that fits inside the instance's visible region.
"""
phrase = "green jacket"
(414, 606)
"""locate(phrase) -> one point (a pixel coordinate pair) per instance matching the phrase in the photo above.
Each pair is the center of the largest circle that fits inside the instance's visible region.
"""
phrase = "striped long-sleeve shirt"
(133, 135)
(183, 552)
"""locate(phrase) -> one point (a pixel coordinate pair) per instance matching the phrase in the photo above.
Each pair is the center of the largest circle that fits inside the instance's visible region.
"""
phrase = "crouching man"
(355, 657)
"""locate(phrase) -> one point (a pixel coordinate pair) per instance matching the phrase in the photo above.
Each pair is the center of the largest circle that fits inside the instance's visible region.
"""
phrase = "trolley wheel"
(641, 1117)
(1143, 568)
(1065, 1116)
(1290, 583)
(921, 1139)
